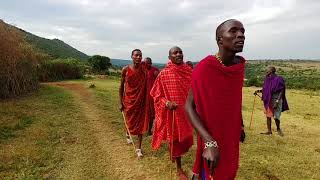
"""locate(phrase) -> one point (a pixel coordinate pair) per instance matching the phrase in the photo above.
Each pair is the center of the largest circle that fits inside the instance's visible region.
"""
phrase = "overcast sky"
(274, 28)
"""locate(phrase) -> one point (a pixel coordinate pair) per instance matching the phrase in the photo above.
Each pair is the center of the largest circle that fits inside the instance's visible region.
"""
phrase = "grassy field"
(53, 134)
(32, 130)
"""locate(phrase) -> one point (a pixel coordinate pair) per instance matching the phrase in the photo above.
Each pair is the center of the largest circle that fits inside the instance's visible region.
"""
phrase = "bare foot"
(182, 175)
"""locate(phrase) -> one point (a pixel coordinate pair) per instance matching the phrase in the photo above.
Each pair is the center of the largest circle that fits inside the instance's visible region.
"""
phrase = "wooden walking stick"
(171, 143)
(125, 123)
(254, 102)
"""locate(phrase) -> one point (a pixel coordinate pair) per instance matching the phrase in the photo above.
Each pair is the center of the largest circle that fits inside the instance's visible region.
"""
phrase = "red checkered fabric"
(172, 84)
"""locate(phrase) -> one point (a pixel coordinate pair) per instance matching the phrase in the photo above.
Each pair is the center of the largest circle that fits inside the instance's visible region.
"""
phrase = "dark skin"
(190, 64)
(230, 40)
(136, 63)
(148, 62)
(176, 57)
(271, 71)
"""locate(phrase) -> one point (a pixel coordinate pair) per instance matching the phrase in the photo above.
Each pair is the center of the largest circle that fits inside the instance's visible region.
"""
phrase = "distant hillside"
(121, 62)
(55, 47)
(299, 74)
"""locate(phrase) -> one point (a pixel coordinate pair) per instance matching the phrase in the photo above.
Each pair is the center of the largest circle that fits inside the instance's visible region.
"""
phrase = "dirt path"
(99, 152)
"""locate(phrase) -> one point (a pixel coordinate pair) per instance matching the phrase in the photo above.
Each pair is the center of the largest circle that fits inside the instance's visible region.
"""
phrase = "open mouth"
(240, 43)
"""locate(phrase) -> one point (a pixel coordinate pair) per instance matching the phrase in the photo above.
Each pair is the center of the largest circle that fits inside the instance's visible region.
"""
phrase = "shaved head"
(221, 28)
(270, 70)
(148, 59)
(172, 49)
(176, 55)
(230, 36)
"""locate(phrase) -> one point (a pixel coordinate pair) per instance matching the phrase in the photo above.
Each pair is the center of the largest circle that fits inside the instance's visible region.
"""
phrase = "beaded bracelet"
(210, 144)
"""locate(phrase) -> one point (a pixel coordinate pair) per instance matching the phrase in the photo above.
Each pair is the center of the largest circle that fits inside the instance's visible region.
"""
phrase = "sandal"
(139, 153)
(129, 140)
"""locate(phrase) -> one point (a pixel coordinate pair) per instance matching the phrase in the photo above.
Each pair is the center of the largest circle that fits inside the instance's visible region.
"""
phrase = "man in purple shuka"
(274, 98)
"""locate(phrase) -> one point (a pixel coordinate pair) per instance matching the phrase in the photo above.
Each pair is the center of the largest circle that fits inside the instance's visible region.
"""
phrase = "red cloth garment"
(134, 100)
(151, 77)
(172, 84)
(217, 92)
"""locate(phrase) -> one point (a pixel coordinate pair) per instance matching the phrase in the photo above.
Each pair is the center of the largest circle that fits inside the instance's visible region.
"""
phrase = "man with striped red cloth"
(169, 92)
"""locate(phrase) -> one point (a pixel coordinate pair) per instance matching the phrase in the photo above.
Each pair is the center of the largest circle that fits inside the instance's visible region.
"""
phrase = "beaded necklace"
(218, 57)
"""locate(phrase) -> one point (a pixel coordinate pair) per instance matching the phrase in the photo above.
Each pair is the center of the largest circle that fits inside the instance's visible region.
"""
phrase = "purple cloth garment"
(274, 84)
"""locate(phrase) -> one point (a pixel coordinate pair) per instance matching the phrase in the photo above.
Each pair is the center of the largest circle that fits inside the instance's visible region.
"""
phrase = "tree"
(99, 64)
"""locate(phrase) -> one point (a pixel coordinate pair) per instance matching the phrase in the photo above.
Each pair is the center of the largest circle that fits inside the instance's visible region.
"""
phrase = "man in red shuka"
(152, 73)
(169, 93)
(214, 105)
(133, 97)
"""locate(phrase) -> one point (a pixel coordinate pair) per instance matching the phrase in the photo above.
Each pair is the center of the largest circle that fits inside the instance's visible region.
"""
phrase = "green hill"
(53, 47)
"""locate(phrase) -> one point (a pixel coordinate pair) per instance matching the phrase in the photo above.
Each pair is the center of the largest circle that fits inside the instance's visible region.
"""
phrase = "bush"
(252, 81)
(18, 62)
(61, 69)
(99, 64)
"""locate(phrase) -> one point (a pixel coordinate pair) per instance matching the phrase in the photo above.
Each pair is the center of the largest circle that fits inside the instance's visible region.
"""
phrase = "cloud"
(274, 28)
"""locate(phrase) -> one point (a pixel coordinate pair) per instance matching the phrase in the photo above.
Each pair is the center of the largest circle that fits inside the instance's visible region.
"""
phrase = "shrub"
(18, 62)
(61, 69)
(99, 64)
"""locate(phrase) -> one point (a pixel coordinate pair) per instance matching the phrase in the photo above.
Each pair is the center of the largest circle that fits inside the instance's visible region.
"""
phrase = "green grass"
(7, 132)
(294, 156)
(31, 130)
(30, 133)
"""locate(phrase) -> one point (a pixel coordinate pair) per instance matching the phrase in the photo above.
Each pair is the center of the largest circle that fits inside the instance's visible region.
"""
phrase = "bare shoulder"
(125, 68)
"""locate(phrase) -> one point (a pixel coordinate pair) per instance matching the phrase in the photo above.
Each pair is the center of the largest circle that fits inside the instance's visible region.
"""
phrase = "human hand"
(171, 105)
(276, 104)
(211, 155)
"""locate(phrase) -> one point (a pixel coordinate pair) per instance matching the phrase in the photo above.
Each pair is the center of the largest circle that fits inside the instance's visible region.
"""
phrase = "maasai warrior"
(274, 98)
(169, 92)
(214, 105)
(133, 97)
(151, 77)
(189, 63)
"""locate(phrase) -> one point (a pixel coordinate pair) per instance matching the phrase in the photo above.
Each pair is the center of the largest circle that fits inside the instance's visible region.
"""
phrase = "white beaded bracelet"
(210, 144)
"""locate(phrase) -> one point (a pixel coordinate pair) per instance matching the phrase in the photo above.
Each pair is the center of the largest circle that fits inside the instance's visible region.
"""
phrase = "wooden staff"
(254, 102)
(125, 123)
(171, 150)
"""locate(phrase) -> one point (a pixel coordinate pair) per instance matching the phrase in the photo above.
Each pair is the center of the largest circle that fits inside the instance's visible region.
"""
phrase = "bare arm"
(190, 108)
(121, 88)
(210, 154)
